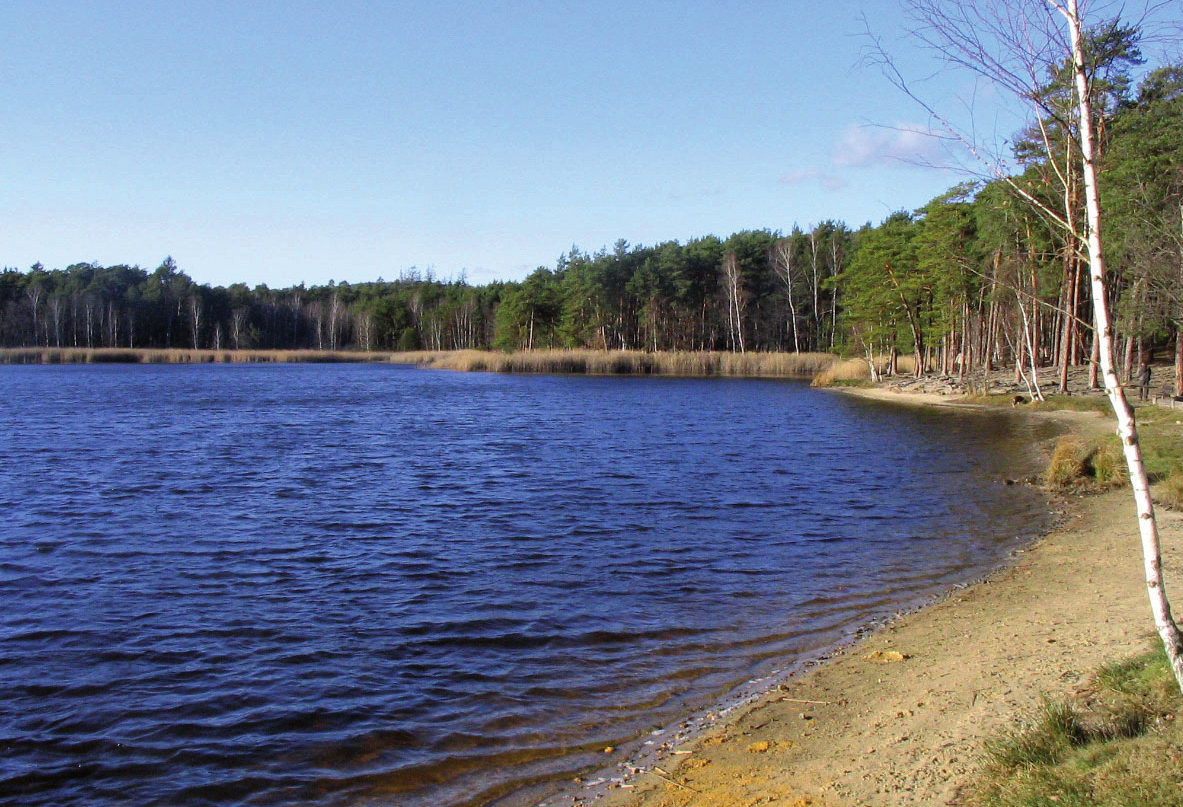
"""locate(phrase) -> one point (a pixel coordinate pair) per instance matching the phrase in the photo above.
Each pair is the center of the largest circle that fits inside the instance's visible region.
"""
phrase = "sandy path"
(885, 731)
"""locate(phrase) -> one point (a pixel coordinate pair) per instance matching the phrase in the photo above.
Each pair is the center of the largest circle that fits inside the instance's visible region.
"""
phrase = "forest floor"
(899, 718)
(1003, 382)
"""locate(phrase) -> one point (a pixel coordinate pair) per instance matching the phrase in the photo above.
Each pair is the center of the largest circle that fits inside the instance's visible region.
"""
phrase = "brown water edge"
(857, 731)
(653, 754)
(608, 766)
(651, 757)
(559, 763)
(648, 751)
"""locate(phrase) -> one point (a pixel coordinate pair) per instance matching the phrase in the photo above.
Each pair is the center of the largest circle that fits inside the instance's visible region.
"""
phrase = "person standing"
(1144, 382)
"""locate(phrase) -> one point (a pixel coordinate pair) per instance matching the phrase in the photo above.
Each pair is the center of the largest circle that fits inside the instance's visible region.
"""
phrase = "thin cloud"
(866, 146)
(813, 176)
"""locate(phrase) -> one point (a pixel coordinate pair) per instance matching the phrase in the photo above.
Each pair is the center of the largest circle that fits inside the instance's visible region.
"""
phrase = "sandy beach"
(898, 718)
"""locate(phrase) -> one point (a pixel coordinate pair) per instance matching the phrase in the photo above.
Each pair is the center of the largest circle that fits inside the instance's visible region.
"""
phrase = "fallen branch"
(660, 774)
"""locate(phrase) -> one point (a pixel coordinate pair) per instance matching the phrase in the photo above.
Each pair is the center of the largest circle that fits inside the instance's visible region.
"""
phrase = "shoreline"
(898, 715)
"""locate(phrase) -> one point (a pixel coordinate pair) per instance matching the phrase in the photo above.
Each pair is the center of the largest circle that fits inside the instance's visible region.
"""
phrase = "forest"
(979, 277)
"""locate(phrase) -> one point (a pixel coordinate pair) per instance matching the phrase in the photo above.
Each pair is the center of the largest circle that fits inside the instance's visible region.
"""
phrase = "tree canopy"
(974, 278)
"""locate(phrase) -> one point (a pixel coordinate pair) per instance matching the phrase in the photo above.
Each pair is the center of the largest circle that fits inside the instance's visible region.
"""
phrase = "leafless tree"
(733, 288)
(784, 264)
(237, 324)
(196, 314)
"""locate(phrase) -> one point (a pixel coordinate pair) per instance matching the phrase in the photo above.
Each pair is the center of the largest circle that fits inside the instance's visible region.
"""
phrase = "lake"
(370, 584)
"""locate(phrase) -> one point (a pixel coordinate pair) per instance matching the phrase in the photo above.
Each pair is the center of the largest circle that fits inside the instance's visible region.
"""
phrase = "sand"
(899, 718)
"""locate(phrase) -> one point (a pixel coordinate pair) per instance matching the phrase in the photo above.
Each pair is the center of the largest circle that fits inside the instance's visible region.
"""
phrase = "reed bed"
(633, 362)
(581, 362)
(843, 371)
(70, 355)
(846, 371)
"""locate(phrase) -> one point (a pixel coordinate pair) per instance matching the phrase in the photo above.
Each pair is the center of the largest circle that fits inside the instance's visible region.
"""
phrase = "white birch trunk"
(1168, 631)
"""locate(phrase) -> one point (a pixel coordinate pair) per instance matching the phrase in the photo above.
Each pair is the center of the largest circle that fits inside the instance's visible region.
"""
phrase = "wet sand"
(899, 718)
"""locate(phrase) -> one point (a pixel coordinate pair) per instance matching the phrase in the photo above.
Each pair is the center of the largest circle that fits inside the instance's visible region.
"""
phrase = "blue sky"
(288, 142)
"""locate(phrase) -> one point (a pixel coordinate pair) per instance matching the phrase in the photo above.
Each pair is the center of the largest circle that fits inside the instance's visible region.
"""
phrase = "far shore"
(688, 364)
(899, 718)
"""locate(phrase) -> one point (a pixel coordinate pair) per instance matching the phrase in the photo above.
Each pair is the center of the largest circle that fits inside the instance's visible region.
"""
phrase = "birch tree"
(1127, 427)
(1015, 44)
(733, 290)
(784, 264)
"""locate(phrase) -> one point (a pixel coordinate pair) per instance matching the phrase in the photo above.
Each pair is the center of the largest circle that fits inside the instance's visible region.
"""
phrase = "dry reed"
(630, 362)
(846, 371)
(843, 371)
(71, 355)
(589, 362)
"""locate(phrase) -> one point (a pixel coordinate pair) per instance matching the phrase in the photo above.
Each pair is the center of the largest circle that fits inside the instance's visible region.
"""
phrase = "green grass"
(1169, 492)
(1160, 433)
(1116, 744)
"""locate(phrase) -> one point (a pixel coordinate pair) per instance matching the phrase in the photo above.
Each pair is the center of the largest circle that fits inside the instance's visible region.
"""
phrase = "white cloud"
(864, 146)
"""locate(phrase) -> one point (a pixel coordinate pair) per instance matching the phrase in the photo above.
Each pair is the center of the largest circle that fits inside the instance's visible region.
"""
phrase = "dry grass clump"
(1092, 466)
(631, 362)
(110, 355)
(1170, 492)
(1066, 466)
(1115, 743)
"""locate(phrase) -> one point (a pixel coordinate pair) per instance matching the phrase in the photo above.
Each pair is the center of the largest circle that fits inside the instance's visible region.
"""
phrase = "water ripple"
(352, 584)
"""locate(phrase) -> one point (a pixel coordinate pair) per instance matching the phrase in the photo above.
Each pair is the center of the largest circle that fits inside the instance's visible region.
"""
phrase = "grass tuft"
(1086, 467)
(1115, 744)
(1044, 740)
(1109, 465)
(1066, 467)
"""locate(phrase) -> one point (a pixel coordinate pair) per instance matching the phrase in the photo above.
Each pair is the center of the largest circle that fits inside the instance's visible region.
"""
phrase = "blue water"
(369, 584)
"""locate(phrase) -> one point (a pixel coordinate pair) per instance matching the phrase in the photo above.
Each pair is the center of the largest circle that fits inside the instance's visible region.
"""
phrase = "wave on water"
(440, 589)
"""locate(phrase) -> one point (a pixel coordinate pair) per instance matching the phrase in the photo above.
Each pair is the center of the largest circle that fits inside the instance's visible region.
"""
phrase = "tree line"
(977, 278)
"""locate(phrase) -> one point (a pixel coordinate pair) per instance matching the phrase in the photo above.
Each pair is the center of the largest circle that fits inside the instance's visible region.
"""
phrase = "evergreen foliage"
(975, 278)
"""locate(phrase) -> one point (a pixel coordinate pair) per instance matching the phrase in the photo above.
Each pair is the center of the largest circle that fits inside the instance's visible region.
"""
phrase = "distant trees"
(977, 278)
(87, 305)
